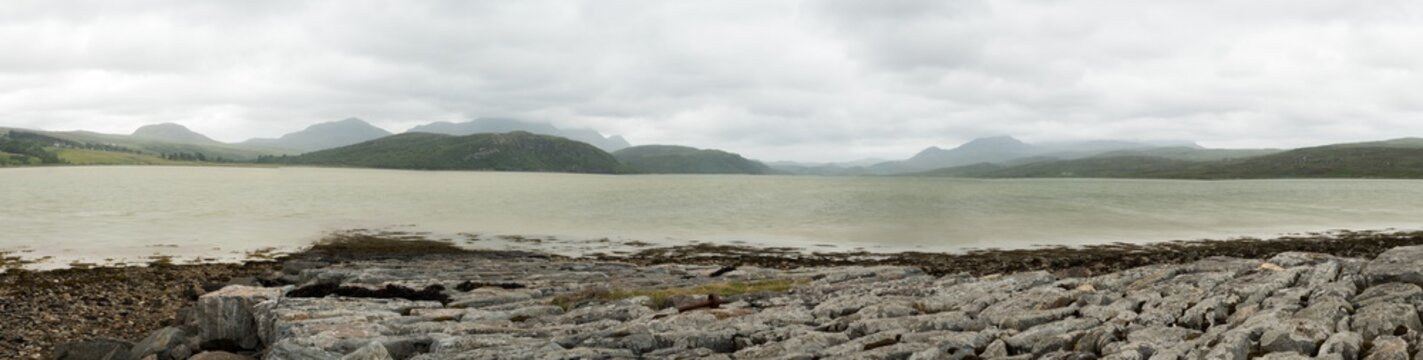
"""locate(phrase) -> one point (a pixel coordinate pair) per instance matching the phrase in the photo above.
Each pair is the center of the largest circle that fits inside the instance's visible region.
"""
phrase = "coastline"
(44, 308)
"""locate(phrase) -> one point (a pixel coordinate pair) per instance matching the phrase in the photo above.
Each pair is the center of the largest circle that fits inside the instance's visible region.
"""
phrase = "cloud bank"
(800, 80)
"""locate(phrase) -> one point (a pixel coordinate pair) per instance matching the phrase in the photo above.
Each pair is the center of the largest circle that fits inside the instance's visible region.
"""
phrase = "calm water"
(130, 212)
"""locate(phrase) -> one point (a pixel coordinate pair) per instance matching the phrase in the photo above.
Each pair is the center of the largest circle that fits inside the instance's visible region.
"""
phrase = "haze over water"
(94, 213)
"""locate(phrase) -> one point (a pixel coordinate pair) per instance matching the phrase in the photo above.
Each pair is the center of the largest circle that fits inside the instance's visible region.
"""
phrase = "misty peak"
(354, 124)
(172, 132)
(325, 135)
(995, 142)
(504, 125)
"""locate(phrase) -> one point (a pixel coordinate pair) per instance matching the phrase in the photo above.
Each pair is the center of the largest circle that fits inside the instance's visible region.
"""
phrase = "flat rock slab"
(1401, 264)
(1300, 306)
(225, 317)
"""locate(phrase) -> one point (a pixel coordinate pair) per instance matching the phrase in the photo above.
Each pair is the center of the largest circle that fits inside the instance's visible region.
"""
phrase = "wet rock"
(372, 351)
(620, 311)
(1287, 355)
(1302, 337)
(93, 350)
(1383, 318)
(950, 321)
(1389, 293)
(225, 316)
(1233, 345)
(1400, 264)
(1209, 312)
(290, 350)
(166, 343)
(1346, 344)
(720, 341)
(995, 349)
(1388, 348)
(587, 353)
(483, 297)
(804, 345)
(1050, 337)
(219, 355)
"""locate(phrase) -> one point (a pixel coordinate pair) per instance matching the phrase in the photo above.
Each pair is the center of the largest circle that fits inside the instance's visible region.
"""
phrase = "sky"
(774, 80)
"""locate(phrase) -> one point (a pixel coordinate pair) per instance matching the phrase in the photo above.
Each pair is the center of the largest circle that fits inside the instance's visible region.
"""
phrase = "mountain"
(1008, 150)
(1095, 167)
(1401, 158)
(515, 151)
(671, 159)
(501, 125)
(146, 144)
(324, 136)
(993, 149)
(1192, 154)
(173, 133)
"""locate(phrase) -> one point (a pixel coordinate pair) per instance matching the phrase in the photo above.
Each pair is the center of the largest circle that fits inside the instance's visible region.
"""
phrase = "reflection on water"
(188, 212)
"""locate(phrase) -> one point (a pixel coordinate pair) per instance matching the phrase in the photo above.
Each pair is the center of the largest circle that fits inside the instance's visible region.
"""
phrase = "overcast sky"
(776, 80)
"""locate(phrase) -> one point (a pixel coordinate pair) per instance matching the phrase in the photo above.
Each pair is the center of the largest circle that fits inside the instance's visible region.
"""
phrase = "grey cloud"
(803, 80)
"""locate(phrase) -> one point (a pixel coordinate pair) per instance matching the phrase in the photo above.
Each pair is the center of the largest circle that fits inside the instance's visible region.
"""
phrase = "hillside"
(670, 159)
(1379, 160)
(515, 151)
(172, 133)
(154, 147)
(1007, 151)
(1095, 167)
(992, 149)
(323, 136)
(1401, 159)
(499, 125)
(1194, 154)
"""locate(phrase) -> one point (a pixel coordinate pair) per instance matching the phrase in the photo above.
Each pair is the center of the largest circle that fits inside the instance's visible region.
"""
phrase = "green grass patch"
(95, 157)
(662, 297)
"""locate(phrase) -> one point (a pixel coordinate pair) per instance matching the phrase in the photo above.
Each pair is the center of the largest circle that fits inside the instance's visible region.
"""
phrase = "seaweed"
(390, 291)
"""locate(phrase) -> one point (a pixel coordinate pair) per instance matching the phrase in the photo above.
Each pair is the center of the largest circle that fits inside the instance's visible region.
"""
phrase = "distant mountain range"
(324, 136)
(1001, 150)
(170, 138)
(1007, 149)
(672, 159)
(514, 151)
(173, 133)
(504, 144)
(501, 125)
(1400, 158)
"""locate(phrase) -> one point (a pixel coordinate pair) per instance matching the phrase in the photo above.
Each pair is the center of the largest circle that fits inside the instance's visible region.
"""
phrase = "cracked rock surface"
(1294, 305)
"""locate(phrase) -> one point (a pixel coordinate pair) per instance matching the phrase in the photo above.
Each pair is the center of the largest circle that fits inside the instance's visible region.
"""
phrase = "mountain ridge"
(513, 151)
(676, 159)
(1397, 158)
(321, 136)
(504, 125)
(172, 132)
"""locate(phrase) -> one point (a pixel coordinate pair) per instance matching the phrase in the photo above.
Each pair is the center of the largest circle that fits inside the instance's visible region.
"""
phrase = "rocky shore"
(378, 302)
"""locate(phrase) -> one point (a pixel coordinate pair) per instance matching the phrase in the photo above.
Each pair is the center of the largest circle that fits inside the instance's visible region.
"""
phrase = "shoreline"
(397, 299)
(44, 308)
(764, 250)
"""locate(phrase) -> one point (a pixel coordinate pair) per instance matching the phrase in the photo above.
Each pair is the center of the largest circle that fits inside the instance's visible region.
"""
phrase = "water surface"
(95, 213)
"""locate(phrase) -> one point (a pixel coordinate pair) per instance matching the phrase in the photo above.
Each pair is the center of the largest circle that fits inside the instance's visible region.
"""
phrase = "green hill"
(1381, 160)
(1096, 167)
(671, 159)
(1400, 159)
(515, 151)
(128, 143)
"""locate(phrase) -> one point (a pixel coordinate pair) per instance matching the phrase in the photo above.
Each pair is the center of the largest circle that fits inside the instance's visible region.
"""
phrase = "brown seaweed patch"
(391, 291)
(471, 285)
(662, 298)
(381, 244)
(1096, 259)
